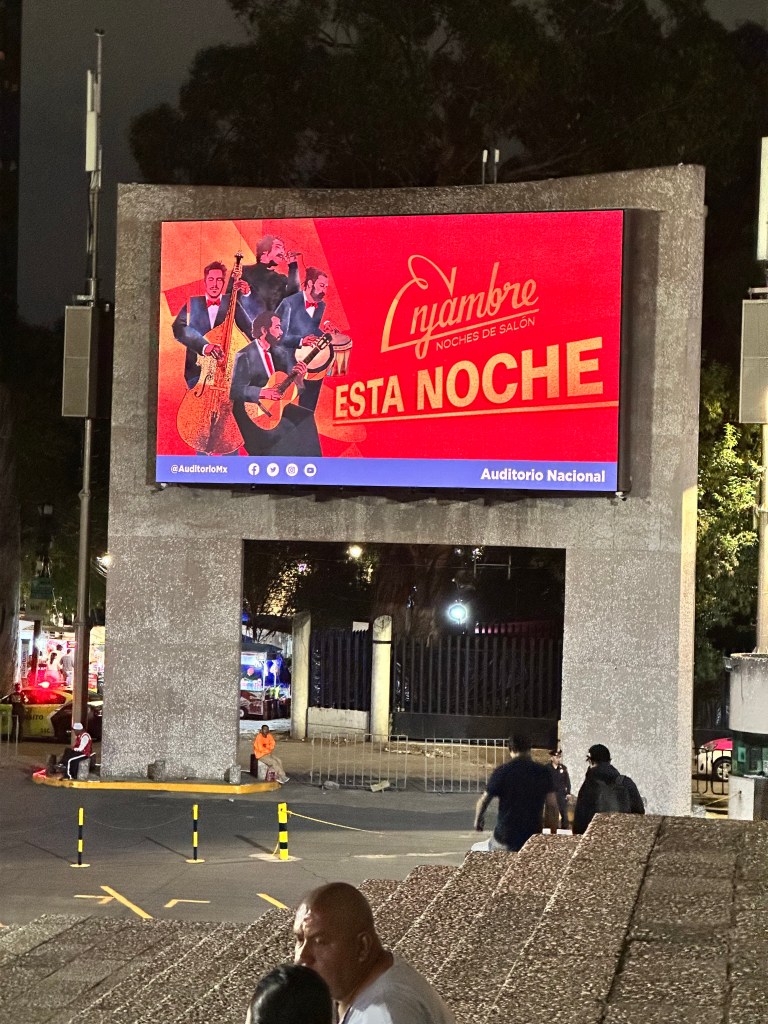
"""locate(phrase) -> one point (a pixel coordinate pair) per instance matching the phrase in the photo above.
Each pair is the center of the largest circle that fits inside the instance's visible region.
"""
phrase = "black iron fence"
(711, 769)
(340, 669)
(477, 675)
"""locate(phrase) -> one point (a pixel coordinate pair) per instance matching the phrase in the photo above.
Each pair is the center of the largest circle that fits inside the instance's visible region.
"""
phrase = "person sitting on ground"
(263, 745)
(335, 936)
(604, 791)
(524, 789)
(291, 994)
(82, 748)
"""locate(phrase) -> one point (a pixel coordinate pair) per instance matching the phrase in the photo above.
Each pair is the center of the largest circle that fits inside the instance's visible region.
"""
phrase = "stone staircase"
(641, 921)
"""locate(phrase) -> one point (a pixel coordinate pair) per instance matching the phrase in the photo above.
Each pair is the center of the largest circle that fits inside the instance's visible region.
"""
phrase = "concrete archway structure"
(174, 590)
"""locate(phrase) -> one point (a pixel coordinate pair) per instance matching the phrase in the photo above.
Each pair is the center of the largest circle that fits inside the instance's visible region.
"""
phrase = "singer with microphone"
(268, 285)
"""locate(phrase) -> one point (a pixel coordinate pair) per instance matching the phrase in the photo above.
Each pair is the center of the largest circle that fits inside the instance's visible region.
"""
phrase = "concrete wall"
(325, 720)
(173, 601)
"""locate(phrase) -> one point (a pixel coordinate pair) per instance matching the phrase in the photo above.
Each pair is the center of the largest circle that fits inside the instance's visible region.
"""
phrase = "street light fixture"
(457, 613)
(354, 551)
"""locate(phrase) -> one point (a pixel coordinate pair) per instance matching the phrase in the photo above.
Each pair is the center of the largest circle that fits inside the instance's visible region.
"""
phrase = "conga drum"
(342, 345)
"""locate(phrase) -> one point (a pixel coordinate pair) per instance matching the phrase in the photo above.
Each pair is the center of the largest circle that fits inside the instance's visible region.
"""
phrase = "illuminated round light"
(457, 612)
(354, 551)
(105, 560)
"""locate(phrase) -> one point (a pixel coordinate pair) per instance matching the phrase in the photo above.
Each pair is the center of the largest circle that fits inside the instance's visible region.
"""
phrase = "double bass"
(205, 420)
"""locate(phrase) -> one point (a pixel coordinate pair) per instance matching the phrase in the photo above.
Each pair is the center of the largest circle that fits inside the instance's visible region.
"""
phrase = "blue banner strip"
(424, 473)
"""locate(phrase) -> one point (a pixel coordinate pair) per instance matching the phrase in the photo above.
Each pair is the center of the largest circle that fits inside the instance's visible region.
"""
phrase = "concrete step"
(410, 899)
(481, 954)
(564, 969)
(222, 995)
(464, 894)
(162, 948)
(19, 939)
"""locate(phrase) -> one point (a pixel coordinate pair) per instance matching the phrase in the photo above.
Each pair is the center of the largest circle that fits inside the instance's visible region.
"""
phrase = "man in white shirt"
(336, 937)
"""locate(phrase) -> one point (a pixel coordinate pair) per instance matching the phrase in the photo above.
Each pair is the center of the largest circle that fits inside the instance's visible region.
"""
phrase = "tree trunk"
(10, 550)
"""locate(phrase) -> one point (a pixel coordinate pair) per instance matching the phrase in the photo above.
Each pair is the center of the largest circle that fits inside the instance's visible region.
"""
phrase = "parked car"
(61, 721)
(714, 758)
(251, 703)
(48, 713)
(40, 704)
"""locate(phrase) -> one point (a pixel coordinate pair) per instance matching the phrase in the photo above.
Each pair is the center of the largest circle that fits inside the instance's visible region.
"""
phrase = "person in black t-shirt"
(524, 790)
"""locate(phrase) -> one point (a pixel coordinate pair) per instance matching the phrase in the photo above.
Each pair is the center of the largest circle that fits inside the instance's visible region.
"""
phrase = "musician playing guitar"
(296, 433)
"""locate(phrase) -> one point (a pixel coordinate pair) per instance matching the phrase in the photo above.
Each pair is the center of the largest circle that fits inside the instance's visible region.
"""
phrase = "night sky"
(148, 48)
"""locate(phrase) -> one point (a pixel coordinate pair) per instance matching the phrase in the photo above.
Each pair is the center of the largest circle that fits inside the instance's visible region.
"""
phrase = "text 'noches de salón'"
(449, 310)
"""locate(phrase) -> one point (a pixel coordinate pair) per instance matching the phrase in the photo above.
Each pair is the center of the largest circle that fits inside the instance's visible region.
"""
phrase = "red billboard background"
(453, 320)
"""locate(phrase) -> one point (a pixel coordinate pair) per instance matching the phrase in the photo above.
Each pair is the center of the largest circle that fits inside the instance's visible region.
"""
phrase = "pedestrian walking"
(604, 791)
(525, 791)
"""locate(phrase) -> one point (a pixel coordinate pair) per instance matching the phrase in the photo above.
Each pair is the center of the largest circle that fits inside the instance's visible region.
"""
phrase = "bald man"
(335, 936)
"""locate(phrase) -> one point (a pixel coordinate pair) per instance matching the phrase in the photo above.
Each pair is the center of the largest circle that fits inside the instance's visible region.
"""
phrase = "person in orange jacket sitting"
(263, 745)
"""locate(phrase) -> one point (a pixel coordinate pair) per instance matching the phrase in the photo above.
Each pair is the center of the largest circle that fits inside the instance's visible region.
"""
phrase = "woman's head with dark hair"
(291, 994)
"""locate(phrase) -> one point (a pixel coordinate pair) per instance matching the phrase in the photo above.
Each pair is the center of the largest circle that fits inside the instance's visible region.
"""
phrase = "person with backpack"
(604, 791)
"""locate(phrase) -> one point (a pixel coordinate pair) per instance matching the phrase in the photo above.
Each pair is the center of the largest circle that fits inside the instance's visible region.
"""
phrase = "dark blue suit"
(296, 434)
(296, 322)
(193, 323)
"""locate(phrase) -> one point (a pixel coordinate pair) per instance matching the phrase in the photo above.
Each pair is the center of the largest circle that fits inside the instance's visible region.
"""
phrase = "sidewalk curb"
(166, 787)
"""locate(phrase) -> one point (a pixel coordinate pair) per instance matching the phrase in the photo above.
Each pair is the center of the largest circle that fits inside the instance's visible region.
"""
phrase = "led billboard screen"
(460, 351)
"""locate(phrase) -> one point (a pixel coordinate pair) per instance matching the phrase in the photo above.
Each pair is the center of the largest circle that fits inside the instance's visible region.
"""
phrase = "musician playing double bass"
(200, 314)
(296, 433)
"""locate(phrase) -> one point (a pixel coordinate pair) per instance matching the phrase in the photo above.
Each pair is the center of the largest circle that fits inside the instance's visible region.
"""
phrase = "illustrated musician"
(200, 314)
(301, 318)
(268, 285)
(255, 365)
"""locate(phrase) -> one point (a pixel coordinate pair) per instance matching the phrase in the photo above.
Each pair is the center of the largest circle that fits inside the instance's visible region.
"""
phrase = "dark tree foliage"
(362, 93)
(414, 583)
(726, 556)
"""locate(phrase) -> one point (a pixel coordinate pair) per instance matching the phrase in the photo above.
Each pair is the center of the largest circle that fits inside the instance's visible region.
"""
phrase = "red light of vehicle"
(44, 685)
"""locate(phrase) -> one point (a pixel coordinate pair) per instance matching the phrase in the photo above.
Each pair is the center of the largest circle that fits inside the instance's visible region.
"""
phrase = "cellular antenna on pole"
(81, 344)
(93, 168)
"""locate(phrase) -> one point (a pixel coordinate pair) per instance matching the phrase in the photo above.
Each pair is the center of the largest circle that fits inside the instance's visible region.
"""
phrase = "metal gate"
(477, 685)
(340, 669)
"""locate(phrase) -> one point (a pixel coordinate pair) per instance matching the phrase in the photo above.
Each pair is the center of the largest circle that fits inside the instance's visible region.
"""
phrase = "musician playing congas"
(255, 367)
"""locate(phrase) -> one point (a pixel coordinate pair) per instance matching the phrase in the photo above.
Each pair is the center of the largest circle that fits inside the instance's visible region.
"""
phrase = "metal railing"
(355, 760)
(460, 766)
(710, 772)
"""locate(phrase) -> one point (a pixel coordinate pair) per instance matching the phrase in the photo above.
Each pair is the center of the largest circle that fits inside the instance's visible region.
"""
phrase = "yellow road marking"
(274, 902)
(172, 903)
(127, 903)
(103, 900)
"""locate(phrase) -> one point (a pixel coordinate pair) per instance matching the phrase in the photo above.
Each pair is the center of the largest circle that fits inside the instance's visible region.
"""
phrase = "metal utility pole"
(82, 327)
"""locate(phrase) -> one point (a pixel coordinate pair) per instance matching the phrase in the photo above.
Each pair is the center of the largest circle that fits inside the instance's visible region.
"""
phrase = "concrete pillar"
(380, 677)
(302, 627)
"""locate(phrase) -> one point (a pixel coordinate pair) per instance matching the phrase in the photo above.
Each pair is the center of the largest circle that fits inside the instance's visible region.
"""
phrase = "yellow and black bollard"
(80, 823)
(282, 830)
(194, 859)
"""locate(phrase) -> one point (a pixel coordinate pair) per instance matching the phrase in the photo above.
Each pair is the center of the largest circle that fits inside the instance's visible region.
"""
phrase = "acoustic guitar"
(268, 413)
